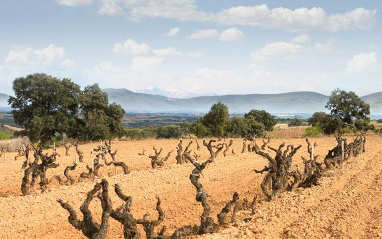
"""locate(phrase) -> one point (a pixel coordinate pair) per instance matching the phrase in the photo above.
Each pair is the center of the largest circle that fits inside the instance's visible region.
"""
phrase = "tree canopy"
(348, 106)
(45, 105)
(216, 119)
(263, 117)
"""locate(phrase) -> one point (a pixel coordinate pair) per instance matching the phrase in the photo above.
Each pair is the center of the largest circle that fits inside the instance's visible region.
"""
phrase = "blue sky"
(221, 47)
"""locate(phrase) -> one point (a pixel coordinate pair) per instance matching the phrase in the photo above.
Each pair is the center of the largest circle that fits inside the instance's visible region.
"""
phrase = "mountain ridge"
(289, 102)
(171, 93)
(297, 102)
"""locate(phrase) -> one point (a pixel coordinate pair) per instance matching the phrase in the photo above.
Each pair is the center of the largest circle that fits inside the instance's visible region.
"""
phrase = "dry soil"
(346, 204)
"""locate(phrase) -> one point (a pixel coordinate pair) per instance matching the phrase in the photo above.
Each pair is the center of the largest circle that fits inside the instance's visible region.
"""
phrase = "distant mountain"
(171, 93)
(291, 103)
(375, 102)
(294, 102)
(4, 100)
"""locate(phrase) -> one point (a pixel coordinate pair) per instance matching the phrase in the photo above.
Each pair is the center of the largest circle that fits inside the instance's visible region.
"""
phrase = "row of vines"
(279, 177)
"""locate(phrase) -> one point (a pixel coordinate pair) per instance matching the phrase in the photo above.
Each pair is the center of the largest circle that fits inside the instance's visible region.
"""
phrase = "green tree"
(239, 127)
(348, 106)
(99, 119)
(326, 123)
(186, 127)
(246, 127)
(317, 117)
(263, 117)
(44, 105)
(255, 127)
(295, 122)
(199, 129)
(216, 119)
(363, 125)
(331, 125)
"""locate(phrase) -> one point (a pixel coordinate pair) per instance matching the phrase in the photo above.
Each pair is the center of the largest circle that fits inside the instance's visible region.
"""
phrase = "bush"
(141, 133)
(169, 131)
(311, 132)
(295, 122)
(263, 117)
(4, 136)
(199, 129)
(347, 131)
(244, 127)
(363, 125)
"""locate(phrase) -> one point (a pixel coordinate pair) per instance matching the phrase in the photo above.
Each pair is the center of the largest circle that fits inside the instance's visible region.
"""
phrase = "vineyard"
(181, 186)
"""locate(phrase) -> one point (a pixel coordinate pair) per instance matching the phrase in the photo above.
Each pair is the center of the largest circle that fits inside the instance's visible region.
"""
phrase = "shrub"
(141, 133)
(199, 129)
(347, 131)
(363, 125)
(311, 132)
(4, 136)
(169, 131)
(295, 122)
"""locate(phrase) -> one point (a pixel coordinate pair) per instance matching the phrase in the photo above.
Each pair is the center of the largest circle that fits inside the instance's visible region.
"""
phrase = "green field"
(157, 119)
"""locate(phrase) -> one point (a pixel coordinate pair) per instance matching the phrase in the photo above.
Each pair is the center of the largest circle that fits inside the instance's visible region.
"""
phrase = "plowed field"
(346, 204)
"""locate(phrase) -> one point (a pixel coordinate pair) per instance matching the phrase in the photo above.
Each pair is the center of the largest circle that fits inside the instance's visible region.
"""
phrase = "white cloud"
(300, 19)
(19, 55)
(358, 18)
(197, 54)
(74, 3)
(22, 61)
(69, 64)
(204, 34)
(276, 50)
(301, 39)
(146, 63)
(231, 35)
(111, 8)
(49, 56)
(293, 20)
(362, 63)
(137, 10)
(173, 32)
(132, 48)
(166, 52)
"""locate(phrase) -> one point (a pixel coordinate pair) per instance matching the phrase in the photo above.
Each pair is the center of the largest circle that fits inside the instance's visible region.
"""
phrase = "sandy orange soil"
(346, 204)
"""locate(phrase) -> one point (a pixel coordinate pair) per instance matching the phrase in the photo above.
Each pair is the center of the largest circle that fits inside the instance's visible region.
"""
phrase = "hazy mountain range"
(293, 102)
(290, 103)
(171, 93)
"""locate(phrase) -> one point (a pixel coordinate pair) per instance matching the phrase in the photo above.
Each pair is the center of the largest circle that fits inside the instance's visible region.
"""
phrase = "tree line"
(48, 107)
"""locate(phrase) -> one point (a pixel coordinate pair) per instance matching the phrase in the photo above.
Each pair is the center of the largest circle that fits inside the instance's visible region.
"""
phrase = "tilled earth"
(346, 204)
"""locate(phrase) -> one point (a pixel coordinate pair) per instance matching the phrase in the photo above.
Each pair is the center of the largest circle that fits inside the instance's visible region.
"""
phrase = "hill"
(375, 101)
(4, 100)
(291, 103)
(294, 102)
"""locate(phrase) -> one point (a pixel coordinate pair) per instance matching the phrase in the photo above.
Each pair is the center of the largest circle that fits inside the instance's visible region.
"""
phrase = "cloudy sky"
(214, 46)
